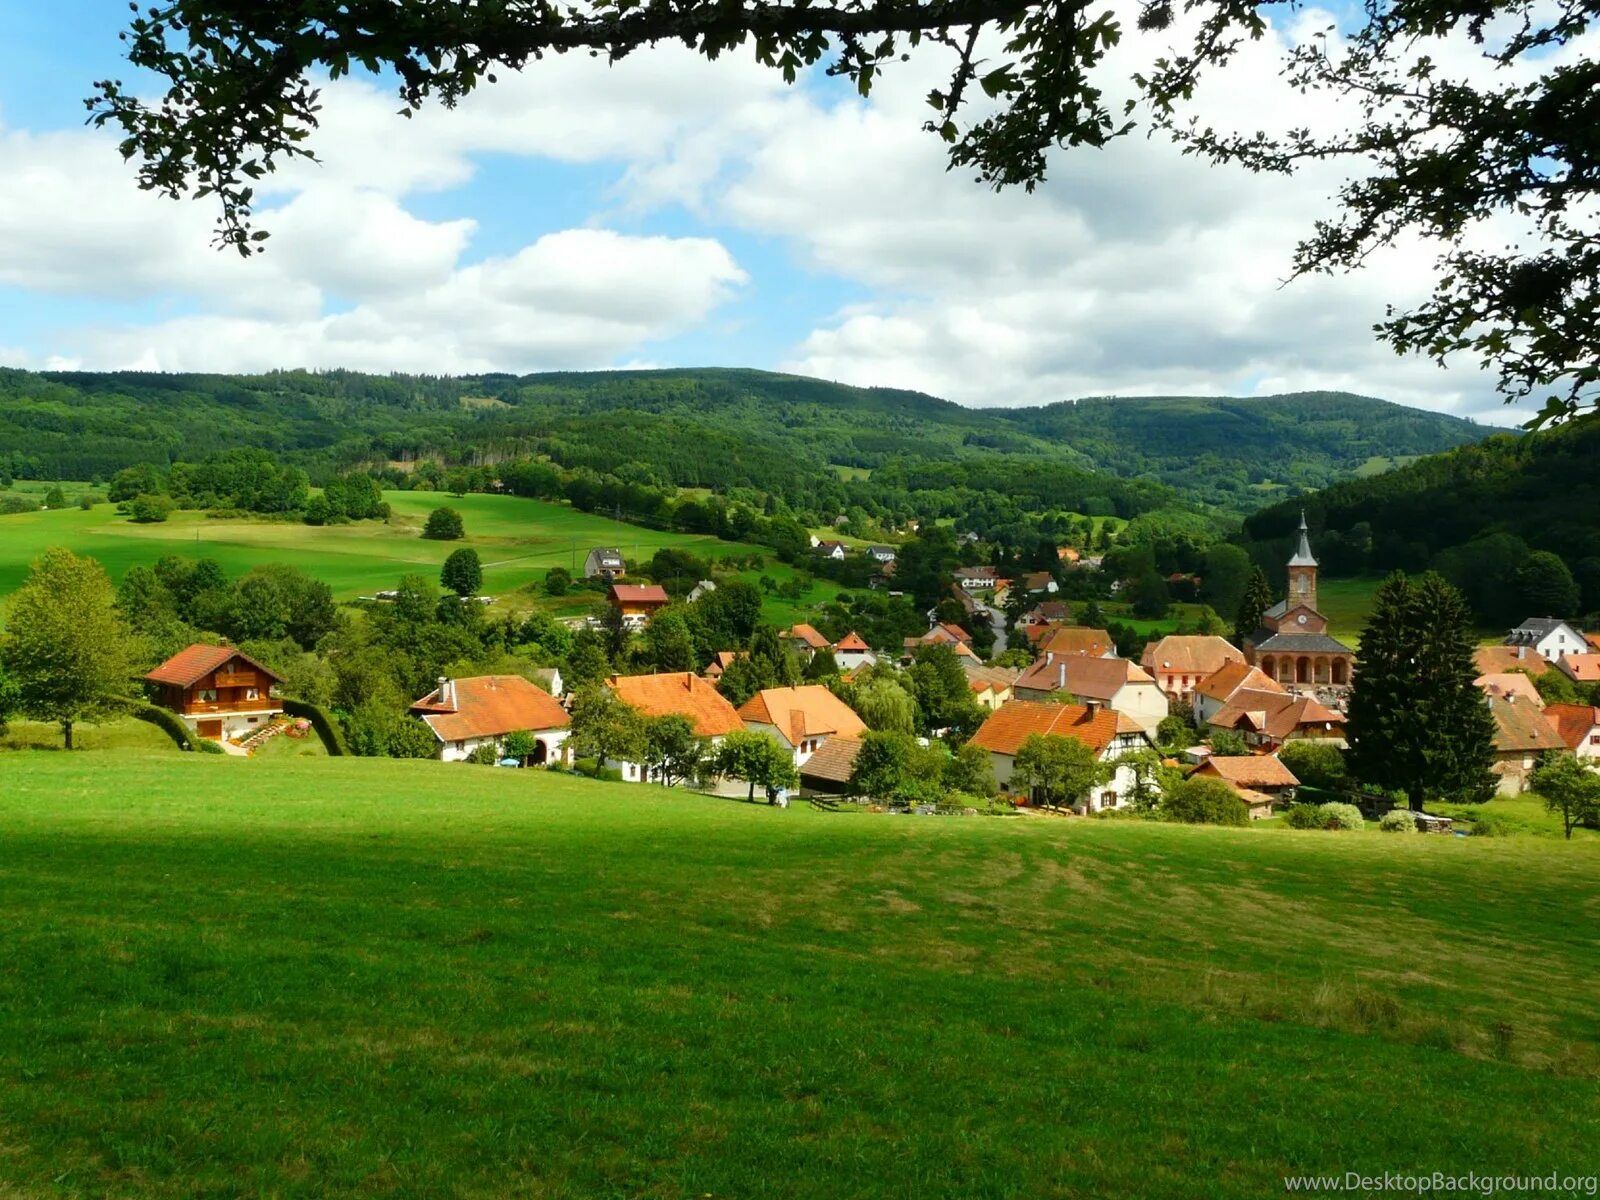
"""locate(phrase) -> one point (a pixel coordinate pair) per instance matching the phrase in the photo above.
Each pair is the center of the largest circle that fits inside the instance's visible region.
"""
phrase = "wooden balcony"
(239, 679)
(209, 708)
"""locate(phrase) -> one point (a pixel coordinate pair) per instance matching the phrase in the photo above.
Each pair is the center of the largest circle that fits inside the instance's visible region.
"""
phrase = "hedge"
(167, 722)
(322, 721)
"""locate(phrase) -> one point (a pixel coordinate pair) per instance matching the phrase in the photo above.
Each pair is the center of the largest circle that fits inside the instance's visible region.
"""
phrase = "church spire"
(1302, 555)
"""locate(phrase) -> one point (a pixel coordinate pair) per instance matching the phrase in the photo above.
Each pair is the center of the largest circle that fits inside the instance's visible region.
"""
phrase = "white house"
(851, 652)
(1579, 727)
(465, 714)
(833, 550)
(1119, 684)
(1211, 694)
(1180, 661)
(674, 694)
(1110, 735)
(801, 718)
(704, 588)
(881, 554)
(1552, 637)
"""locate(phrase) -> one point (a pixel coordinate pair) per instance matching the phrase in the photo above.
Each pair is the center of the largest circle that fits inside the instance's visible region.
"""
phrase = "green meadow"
(362, 978)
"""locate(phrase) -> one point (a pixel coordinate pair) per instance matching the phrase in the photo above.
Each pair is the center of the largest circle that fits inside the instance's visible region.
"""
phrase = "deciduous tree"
(1061, 769)
(462, 572)
(1570, 789)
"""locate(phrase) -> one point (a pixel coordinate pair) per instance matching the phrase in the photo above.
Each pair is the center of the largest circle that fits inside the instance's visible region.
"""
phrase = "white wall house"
(801, 718)
(468, 714)
(1109, 734)
(1552, 637)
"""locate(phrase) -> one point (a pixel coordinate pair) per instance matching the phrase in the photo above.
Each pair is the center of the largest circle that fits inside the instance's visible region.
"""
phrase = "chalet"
(1219, 687)
(802, 718)
(881, 554)
(1037, 582)
(833, 550)
(1072, 639)
(1266, 720)
(1048, 612)
(1293, 644)
(466, 714)
(1115, 683)
(638, 602)
(851, 652)
(604, 563)
(1521, 735)
(991, 686)
(977, 579)
(1180, 662)
(217, 691)
(827, 772)
(721, 661)
(673, 694)
(1578, 725)
(1110, 735)
(804, 640)
(1513, 685)
(1580, 668)
(1260, 780)
(1549, 637)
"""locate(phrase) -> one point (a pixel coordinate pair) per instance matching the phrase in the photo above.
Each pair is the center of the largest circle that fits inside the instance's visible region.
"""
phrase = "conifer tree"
(1418, 724)
(1257, 599)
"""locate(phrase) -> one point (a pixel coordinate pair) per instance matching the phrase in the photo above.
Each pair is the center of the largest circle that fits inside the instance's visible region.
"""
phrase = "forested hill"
(789, 436)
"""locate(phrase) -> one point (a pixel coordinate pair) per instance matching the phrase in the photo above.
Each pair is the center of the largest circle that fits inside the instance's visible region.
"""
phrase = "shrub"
(167, 722)
(1305, 816)
(149, 510)
(485, 755)
(1315, 764)
(1398, 820)
(327, 728)
(1491, 825)
(207, 746)
(444, 525)
(1338, 815)
(1201, 801)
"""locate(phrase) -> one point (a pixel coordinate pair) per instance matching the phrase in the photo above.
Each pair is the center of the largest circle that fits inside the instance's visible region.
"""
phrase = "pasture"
(360, 978)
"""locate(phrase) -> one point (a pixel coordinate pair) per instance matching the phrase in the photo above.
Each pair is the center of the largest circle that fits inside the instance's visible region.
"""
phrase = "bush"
(1398, 820)
(444, 525)
(149, 510)
(485, 756)
(1315, 764)
(322, 721)
(1338, 815)
(207, 746)
(1305, 816)
(169, 724)
(1202, 801)
(1491, 825)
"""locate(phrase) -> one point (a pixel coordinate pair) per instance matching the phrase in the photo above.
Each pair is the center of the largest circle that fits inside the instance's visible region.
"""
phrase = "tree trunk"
(66, 733)
(1414, 798)
(751, 795)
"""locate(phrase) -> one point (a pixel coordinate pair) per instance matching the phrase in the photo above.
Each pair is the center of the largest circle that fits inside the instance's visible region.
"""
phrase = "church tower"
(1303, 572)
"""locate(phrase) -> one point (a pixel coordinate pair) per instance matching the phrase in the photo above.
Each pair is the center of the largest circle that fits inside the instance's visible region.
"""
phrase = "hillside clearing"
(349, 978)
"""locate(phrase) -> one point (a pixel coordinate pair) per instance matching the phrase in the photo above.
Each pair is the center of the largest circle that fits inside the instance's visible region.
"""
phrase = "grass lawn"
(346, 978)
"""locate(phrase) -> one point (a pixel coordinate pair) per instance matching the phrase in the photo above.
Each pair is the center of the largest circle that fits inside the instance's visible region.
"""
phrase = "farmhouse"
(1293, 644)
(466, 714)
(604, 563)
(1260, 780)
(1180, 662)
(1269, 719)
(638, 602)
(1549, 637)
(802, 719)
(957, 638)
(721, 661)
(1219, 687)
(1521, 735)
(704, 588)
(674, 694)
(1035, 582)
(1048, 612)
(977, 579)
(1108, 734)
(1072, 639)
(217, 691)
(1116, 683)
(881, 554)
(1578, 725)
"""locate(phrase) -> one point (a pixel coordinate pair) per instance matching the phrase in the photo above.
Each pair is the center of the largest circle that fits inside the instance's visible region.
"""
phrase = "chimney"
(1093, 706)
(444, 692)
(1061, 677)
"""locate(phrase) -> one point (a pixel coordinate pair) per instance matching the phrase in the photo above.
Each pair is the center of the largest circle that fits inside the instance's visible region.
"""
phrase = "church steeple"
(1303, 571)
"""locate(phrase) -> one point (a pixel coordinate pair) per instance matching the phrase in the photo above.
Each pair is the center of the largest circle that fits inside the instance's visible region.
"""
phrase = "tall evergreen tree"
(1257, 599)
(1418, 724)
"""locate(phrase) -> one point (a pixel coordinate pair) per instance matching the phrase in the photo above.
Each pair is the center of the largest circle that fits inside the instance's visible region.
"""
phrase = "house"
(991, 686)
(827, 772)
(881, 554)
(604, 563)
(969, 606)
(833, 550)
(1048, 612)
(1068, 555)
(1515, 685)
(1108, 734)
(1219, 687)
(851, 652)
(1550, 637)
(1269, 719)
(1521, 734)
(1293, 644)
(1578, 725)
(550, 679)
(1580, 668)
(977, 579)
(721, 661)
(804, 640)
(466, 714)
(217, 691)
(1035, 582)
(1072, 639)
(674, 694)
(1116, 683)
(1180, 662)
(957, 638)
(638, 602)
(1500, 660)
(704, 588)
(1260, 780)
(801, 718)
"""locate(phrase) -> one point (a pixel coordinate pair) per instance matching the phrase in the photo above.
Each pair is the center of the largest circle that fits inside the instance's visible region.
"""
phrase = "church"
(1293, 645)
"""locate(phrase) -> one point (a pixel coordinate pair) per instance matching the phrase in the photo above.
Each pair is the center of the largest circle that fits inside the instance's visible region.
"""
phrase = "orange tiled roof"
(194, 663)
(1190, 654)
(1497, 660)
(639, 593)
(1511, 685)
(1585, 668)
(1227, 680)
(1248, 771)
(1012, 724)
(1080, 675)
(1277, 714)
(1073, 639)
(805, 633)
(802, 712)
(1572, 722)
(489, 706)
(678, 694)
(853, 642)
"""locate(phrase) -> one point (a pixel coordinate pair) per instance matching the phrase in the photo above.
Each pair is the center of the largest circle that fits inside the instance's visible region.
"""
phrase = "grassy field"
(346, 978)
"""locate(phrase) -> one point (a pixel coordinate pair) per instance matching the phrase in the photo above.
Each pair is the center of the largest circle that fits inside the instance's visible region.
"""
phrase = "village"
(1056, 720)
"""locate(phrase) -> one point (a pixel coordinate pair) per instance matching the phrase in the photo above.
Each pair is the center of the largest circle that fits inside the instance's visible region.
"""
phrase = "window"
(1108, 799)
(208, 695)
(251, 693)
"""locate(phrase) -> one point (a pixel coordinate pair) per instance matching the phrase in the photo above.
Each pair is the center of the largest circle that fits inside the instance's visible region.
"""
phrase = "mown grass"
(346, 978)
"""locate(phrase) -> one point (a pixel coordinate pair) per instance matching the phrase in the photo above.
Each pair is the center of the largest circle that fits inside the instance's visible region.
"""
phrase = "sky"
(673, 212)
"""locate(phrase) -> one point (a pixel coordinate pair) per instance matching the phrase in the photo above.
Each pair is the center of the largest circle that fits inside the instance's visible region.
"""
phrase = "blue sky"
(673, 212)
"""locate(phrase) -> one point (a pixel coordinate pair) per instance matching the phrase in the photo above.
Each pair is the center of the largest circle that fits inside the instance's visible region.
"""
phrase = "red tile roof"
(639, 593)
(1497, 660)
(1513, 684)
(1276, 714)
(1080, 675)
(1573, 722)
(1189, 654)
(193, 663)
(853, 642)
(802, 712)
(1585, 668)
(805, 633)
(1225, 681)
(489, 706)
(1248, 771)
(1012, 724)
(1073, 639)
(678, 694)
